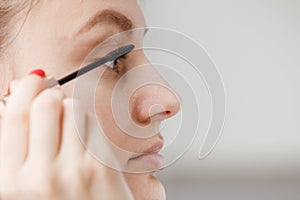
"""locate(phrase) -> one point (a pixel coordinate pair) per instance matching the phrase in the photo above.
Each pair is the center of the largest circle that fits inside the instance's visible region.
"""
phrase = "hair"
(9, 9)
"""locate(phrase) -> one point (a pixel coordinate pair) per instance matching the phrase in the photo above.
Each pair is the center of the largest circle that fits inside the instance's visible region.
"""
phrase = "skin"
(40, 157)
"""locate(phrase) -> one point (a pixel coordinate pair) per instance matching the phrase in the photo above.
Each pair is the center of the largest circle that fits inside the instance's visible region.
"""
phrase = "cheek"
(103, 109)
(105, 117)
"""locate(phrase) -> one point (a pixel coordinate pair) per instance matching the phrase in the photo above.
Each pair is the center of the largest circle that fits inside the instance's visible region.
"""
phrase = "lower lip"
(153, 161)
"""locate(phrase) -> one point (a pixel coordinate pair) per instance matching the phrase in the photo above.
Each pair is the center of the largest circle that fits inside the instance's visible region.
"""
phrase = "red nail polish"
(8, 90)
(38, 72)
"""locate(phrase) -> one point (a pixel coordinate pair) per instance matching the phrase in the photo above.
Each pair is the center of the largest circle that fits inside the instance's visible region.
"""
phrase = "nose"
(155, 100)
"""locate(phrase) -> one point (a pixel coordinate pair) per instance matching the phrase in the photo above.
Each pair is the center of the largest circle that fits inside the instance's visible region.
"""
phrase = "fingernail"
(38, 72)
(8, 90)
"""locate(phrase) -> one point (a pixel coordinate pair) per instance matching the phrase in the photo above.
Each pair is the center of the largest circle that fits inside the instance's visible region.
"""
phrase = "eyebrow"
(107, 16)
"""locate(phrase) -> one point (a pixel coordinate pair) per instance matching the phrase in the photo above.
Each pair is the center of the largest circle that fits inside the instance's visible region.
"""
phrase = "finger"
(45, 126)
(12, 87)
(73, 131)
(14, 136)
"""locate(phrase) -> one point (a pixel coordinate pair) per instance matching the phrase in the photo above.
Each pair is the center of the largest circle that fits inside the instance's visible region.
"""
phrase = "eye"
(116, 65)
(113, 64)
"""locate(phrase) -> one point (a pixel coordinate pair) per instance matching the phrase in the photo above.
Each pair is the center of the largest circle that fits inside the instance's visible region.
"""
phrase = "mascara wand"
(112, 56)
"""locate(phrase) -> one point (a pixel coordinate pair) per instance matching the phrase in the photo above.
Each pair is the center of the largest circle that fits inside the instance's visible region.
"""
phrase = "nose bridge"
(148, 72)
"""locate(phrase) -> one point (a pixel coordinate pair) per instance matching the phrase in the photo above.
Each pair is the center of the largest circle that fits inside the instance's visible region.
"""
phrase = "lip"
(152, 162)
(154, 149)
(149, 158)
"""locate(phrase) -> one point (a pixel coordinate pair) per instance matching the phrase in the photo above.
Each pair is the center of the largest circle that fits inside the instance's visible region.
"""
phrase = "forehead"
(69, 15)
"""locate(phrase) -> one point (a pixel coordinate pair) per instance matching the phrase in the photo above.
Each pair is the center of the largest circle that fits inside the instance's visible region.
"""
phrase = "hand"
(41, 156)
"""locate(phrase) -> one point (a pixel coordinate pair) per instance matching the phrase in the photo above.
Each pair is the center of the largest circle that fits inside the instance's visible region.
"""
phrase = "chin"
(145, 186)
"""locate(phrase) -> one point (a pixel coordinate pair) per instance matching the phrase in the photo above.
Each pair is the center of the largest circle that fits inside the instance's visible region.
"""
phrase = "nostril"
(154, 103)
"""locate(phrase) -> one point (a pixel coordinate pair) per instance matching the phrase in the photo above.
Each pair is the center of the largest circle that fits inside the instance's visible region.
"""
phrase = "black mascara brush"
(110, 57)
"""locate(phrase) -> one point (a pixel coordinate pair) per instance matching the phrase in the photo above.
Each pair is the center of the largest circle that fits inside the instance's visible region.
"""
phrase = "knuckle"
(50, 98)
(16, 114)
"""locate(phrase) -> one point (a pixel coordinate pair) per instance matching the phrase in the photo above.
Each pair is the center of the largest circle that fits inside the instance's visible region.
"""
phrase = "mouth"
(150, 159)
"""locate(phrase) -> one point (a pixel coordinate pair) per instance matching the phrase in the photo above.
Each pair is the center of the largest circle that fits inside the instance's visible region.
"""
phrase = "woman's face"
(57, 37)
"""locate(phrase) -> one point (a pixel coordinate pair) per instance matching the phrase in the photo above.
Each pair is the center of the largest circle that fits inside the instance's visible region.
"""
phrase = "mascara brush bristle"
(120, 52)
(112, 56)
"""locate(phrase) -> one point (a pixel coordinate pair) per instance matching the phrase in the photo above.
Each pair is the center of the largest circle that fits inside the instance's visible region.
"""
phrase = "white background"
(256, 46)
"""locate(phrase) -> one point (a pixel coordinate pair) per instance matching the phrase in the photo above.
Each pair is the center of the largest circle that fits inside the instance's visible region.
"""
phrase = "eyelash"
(115, 65)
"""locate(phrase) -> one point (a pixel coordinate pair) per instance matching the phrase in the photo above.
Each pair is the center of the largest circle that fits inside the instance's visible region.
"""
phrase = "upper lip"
(155, 148)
